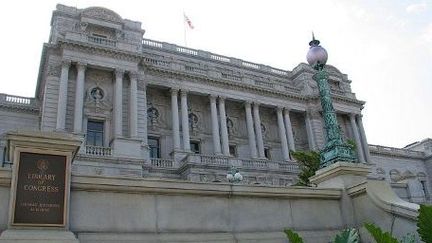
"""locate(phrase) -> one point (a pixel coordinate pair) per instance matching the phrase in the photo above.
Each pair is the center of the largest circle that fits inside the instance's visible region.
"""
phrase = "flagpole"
(184, 29)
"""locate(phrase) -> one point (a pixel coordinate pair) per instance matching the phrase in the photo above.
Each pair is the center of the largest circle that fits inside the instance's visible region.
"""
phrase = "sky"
(385, 46)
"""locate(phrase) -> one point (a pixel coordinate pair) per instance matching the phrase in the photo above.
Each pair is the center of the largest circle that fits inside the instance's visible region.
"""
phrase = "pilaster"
(118, 86)
(289, 131)
(79, 97)
(223, 124)
(215, 125)
(357, 138)
(185, 120)
(175, 118)
(282, 134)
(133, 108)
(258, 130)
(250, 129)
(62, 95)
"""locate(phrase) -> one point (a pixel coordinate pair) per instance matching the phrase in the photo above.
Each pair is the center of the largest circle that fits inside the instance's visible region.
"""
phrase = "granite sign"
(40, 190)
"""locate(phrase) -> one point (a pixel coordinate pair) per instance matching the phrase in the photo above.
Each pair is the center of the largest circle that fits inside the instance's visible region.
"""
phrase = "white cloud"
(416, 8)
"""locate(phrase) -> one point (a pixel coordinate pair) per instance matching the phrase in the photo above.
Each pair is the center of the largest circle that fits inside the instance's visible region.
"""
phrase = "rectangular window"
(267, 153)
(154, 146)
(99, 35)
(423, 183)
(233, 150)
(195, 147)
(95, 133)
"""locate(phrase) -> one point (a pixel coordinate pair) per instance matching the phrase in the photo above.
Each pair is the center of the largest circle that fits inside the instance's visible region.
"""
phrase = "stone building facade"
(153, 109)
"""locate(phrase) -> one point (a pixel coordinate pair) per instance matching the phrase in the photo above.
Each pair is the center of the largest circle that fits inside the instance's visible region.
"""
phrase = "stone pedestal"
(341, 175)
(37, 236)
(40, 186)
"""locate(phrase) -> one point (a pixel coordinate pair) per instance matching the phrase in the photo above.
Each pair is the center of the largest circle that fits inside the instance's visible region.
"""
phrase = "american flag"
(188, 21)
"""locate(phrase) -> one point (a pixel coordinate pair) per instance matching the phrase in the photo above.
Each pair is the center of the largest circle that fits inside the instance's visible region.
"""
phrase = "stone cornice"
(110, 159)
(396, 152)
(96, 49)
(223, 83)
(18, 108)
(243, 87)
(166, 186)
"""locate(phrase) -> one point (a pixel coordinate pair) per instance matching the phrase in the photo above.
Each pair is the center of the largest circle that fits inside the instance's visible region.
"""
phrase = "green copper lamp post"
(335, 149)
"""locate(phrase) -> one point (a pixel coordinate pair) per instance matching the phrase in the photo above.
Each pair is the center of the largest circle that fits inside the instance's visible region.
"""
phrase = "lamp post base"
(336, 152)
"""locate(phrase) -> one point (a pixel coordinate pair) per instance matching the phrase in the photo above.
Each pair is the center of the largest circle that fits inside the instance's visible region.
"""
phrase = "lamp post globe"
(317, 56)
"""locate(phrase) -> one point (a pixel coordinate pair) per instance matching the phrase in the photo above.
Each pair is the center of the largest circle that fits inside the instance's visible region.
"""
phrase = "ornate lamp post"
(234, 176)
(335, 149)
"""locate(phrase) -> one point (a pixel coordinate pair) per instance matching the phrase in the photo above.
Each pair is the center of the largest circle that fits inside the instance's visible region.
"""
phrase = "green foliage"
(309, 162)
(409, 238)
(352, 144)
(424, 223)
(379, 235)
(293, 237)
(347, 236)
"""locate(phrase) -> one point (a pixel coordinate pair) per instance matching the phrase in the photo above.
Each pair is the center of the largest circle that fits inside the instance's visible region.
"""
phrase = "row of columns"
(363, 153)
(79, 100)
(217, 105)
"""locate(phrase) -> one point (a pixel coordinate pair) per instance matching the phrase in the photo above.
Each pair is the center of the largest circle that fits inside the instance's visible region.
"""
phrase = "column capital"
(287, 109)
(174, 91)
(183, 92)
(119, 72)
(256, 104)
(66, 63)
(133, 75)
(81, 66)
(279, 109)
(212, 97)
(222, 98)
(247, 103)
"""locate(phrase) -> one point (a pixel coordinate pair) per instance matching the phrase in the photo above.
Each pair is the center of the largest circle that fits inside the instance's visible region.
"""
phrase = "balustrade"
(98, 150)
(162, 163)
(101, 41)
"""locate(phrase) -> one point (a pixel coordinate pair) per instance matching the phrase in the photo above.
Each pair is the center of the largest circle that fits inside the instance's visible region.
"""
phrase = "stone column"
(357, 138)
(282, 134)
(223, 124)
(133, 107)
(79, 98)
(309, 131)
(250, 129)
(185, 120)
(62, 95)
(215, 125)
(118, 109)
(289, 132)
(175, 119)
(145, 133)
(365, 144)
(258, 131)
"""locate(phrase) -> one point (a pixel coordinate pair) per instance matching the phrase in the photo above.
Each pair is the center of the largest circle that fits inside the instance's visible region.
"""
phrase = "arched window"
(193, 121)
(230, 126)
(152, 115)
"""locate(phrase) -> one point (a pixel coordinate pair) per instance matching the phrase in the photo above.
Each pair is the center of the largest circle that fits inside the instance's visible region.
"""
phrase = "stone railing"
(225, 161)
(395, 151)
(98, 150)
(18, 101)
(253, 163)
(162, 163)
(289, 166)
(214, 160)
(101, 41)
